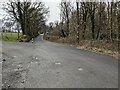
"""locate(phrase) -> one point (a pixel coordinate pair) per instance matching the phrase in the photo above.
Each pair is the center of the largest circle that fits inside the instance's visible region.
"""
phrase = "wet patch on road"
(57, 63)
(80, 69)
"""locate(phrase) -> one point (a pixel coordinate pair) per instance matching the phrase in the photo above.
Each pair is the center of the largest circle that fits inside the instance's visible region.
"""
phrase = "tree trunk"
(20, 18)
(93, 26)
(118, 20)
(111, 21)
(84, 20)
(92, 18)
(78, 32)
(67, 18)
(18, 31)
(98, 33)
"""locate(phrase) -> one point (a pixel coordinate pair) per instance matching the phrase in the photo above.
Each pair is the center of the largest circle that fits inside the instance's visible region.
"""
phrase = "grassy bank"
(9, 36)
(101, 46)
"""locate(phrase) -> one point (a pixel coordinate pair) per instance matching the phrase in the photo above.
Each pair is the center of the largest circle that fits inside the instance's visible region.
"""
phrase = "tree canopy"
(30, 16)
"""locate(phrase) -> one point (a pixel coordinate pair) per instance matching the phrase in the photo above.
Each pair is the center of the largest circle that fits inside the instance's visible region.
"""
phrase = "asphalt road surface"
(45, 64)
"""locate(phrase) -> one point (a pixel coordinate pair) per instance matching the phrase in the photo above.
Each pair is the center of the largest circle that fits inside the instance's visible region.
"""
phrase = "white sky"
(53, 8)
(1, 11)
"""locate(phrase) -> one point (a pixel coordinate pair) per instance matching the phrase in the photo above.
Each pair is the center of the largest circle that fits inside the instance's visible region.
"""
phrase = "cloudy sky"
(1, 11)
(53, 8)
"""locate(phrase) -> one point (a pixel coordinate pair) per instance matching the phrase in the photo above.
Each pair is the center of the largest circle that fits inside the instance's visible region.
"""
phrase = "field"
(9, 36)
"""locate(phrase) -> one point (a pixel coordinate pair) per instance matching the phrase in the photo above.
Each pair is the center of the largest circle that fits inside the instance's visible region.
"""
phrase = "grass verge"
(98, 46)
(9, 36)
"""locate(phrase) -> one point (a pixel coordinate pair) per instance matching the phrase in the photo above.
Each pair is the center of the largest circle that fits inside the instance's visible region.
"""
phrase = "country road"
(45, 64)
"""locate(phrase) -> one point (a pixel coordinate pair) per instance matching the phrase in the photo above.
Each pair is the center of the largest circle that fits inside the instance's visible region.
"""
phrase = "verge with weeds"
(106, 47)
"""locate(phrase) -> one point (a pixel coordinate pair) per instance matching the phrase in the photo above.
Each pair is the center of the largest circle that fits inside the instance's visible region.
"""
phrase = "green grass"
(9, 36)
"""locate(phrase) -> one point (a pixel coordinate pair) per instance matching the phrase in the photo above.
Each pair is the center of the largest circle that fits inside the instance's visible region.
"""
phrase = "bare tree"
(78, 20)
(118, 19)
(29, 15)
(65, 14)
(84, 8)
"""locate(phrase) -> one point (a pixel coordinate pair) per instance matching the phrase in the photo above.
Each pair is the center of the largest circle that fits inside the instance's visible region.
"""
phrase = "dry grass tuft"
(99, 46)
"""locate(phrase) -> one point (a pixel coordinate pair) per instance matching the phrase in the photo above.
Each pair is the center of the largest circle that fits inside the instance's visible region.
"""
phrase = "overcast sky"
(53, 8)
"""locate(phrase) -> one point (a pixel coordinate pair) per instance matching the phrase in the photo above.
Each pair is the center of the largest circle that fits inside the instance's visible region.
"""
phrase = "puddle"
(19, 65)
(57, 63)
(31, 62)
(18, 69)
(14, 56)
(36, 58)
(80, 69)
(36, 62)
